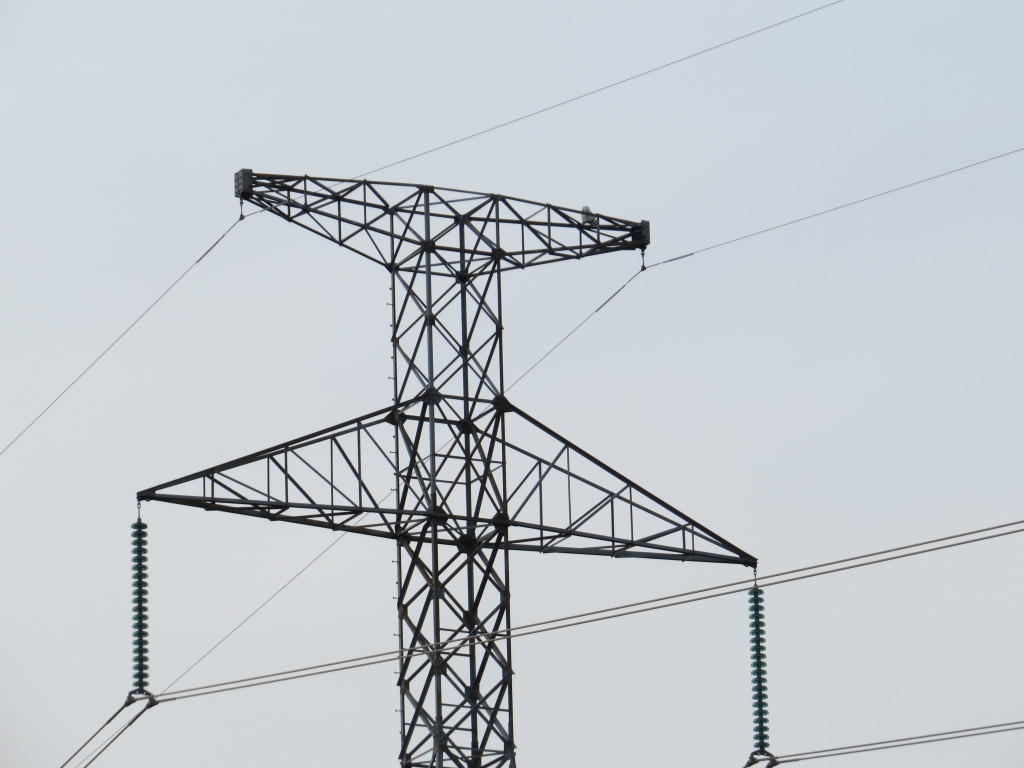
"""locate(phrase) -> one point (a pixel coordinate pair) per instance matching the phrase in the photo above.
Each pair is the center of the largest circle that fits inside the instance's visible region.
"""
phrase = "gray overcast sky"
(836, 387)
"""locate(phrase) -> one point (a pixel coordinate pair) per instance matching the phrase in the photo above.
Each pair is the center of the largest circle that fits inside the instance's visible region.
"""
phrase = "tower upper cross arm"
(417, 228)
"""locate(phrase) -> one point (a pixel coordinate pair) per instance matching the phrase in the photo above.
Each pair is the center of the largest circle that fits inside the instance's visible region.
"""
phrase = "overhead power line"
(98, 731)
(123, 333)
(782, 577)
(757, 233)
(257, 609)
(613, 612)
(833, 209)
(92, 756)
(601, 89)
(909, 741)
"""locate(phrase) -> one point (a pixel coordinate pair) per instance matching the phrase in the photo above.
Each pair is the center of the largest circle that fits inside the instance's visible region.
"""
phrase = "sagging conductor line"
(449, 469)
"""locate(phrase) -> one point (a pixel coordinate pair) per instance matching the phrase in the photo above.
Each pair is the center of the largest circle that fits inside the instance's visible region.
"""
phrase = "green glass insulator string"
(759, 669)
(759, 675)
(140, 611)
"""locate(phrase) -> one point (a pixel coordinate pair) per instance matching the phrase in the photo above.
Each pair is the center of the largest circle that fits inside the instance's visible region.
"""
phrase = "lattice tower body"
(451, 470)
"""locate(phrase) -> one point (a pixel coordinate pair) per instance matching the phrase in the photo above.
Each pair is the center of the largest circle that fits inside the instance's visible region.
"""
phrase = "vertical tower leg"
(457, 696)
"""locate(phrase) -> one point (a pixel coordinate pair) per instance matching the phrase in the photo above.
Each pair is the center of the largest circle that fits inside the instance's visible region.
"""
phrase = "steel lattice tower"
(451, 471)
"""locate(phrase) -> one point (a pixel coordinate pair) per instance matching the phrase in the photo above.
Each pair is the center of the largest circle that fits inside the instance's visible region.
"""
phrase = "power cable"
(604, 614)
(840, 207)
(258, 608)
(626, 609)
(601, 89)
(120, 336)
(92, 756)
(117, 734)
(909, 741)
(580, 325)
(749, 235)
(86, 743)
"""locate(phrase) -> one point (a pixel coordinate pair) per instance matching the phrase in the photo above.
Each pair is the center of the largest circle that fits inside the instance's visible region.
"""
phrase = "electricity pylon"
(451, 470)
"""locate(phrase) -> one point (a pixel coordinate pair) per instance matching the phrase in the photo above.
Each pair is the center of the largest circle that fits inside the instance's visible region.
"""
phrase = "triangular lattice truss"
(558, 498)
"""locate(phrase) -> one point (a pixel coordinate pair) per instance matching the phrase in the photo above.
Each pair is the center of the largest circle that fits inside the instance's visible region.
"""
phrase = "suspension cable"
(764, 231)
(94, 755)
(128, 702)
(120, 336)
(595, 91)
(909, 741)
(619, 611)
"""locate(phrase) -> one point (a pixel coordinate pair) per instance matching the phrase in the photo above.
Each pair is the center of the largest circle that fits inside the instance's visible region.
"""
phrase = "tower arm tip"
(243, 183)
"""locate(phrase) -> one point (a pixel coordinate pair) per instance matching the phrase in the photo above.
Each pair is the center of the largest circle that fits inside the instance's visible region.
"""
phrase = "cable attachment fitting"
(140, 612)
(759, 673)
(643, 259)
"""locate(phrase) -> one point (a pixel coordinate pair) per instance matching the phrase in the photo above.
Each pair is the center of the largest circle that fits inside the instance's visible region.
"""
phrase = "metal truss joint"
(395, 417)
(502, 404)
(438, 662)
(436, 515)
